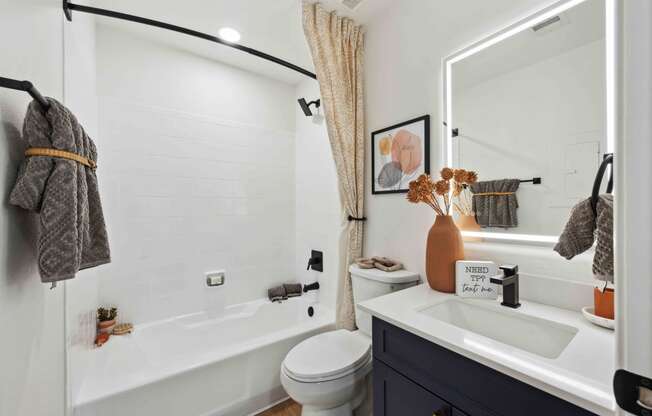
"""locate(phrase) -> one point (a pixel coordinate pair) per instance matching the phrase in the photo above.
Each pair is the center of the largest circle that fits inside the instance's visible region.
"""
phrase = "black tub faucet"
(509, 281)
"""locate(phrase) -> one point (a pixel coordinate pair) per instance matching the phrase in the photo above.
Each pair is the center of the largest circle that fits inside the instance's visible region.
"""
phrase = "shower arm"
(69, 7)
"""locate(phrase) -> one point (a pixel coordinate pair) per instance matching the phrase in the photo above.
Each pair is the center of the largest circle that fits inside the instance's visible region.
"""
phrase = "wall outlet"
(216, 278)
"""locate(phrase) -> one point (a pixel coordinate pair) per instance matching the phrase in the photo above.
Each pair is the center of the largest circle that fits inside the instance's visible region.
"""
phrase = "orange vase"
(468, 223)
(443, 249)
(604, 303)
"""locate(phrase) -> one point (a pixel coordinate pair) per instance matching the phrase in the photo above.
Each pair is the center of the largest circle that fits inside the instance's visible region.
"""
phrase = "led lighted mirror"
(532, 109)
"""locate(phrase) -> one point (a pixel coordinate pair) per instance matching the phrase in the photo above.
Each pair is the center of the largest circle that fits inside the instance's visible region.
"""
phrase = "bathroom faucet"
(509, 281)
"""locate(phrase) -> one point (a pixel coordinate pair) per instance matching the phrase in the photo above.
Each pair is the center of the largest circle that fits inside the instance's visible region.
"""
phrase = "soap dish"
(588, 312)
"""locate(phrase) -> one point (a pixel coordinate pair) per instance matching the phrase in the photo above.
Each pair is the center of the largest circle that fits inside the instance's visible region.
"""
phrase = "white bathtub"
(198, 365)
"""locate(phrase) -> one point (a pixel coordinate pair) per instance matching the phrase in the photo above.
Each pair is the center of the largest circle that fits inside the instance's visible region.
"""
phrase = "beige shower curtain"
(337, 47)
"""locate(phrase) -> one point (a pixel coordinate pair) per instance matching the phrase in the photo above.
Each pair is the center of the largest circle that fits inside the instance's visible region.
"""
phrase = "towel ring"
(608, 160)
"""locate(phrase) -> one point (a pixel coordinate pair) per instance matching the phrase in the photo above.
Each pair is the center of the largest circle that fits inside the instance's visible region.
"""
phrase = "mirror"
(527, 110)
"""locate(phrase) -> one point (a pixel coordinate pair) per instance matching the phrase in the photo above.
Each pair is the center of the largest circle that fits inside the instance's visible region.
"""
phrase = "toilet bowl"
(330, 374)
(327, 373)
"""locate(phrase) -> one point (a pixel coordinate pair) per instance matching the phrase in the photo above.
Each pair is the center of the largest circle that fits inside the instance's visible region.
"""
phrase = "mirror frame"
(496, 37)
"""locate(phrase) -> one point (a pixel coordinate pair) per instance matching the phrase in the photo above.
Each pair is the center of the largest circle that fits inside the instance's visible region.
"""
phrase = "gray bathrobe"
(496, 210)
(72, 233)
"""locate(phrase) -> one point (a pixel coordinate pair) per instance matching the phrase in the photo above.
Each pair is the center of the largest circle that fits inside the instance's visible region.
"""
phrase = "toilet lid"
(329, 355)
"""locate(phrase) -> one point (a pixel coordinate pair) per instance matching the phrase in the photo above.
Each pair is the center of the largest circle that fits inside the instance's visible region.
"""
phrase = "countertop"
(582, 374)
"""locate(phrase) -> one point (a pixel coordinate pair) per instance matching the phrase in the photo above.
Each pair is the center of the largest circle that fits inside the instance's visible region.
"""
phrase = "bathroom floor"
(287, 408)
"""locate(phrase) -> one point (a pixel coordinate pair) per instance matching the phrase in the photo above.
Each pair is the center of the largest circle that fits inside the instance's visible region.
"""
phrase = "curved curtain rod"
(68, 8)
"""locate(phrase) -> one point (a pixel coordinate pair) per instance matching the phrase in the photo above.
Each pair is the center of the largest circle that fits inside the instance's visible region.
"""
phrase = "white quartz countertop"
(582, 374)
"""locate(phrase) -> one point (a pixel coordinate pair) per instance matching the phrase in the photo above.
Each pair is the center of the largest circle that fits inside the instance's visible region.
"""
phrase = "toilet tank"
(371, 283)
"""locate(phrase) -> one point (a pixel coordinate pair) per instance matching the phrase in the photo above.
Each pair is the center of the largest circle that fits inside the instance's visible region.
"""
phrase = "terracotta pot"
(604, 303)
(443, 249)
(468, 223)
(105, 326)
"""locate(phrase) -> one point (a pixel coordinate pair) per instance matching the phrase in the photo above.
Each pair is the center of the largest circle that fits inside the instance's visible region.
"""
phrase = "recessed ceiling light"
(229, 34)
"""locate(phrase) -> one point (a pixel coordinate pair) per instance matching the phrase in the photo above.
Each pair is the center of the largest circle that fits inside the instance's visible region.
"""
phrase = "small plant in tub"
(106, 319)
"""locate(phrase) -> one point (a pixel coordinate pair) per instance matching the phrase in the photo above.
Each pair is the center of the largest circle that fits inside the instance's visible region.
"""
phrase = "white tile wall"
(187, 194)
(318, 209)
(198, 174)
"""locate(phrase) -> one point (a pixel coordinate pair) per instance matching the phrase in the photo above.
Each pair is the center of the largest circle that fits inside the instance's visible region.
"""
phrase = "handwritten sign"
(472, 279)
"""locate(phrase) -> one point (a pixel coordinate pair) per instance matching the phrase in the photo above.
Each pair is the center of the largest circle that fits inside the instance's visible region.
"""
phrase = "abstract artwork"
(399, 154)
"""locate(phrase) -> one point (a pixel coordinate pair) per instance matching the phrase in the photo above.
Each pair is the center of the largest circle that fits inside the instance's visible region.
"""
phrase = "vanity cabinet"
(413, 376)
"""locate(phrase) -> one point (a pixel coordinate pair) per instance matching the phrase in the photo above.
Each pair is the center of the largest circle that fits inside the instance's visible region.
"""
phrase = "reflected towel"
(583, 228)
(495, 203)
(64, 192)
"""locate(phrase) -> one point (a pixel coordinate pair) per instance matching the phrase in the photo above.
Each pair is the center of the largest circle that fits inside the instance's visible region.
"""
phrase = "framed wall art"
(399, 154)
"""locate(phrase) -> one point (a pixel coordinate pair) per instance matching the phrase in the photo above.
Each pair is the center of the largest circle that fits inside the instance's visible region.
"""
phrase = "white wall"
(198, 175)
(32, 354)
(405, 48)
(318, 208)
(80, 96)
(540, 120)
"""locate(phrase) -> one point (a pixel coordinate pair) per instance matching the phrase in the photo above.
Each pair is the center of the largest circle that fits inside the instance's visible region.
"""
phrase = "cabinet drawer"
(467, 385)
(396, 395)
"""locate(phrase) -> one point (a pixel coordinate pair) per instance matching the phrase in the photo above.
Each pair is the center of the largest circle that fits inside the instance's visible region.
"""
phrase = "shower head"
(305, 106)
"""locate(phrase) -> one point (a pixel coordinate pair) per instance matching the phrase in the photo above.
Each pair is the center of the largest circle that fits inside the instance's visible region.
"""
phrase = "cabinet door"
(395, 395)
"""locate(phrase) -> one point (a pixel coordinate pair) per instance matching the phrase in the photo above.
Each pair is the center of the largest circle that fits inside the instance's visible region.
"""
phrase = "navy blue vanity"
(413, 376)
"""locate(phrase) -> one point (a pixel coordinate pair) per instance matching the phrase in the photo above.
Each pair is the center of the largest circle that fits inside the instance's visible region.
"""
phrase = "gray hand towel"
(277, 294)
(65, 193)
(293, 289)
(495, 203)
(583, 228)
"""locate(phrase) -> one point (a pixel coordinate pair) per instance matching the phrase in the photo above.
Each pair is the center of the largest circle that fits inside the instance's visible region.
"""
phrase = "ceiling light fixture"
(228, 34)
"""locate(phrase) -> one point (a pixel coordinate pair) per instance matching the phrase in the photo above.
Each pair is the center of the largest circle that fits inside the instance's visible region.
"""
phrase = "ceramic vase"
(468, 223)
(443, 249)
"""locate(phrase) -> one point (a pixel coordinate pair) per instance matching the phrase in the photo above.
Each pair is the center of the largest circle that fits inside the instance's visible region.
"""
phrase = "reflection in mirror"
(532, 106)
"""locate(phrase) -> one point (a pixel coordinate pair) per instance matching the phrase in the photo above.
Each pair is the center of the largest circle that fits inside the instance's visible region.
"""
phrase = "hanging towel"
(583, 228)
(495, 203)
(64, 192)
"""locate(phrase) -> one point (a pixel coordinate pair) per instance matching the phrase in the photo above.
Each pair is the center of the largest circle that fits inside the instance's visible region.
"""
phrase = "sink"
(529, 333)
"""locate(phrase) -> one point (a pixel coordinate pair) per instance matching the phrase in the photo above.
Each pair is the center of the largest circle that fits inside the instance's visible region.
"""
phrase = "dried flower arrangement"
(104, 314)
(426, 190)
(461, 194)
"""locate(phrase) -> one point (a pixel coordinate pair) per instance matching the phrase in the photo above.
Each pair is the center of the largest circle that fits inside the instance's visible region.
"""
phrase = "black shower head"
(305, 106)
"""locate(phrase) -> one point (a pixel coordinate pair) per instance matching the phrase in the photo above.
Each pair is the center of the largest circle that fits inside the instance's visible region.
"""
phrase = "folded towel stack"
(381, 263)
(284, 291)
(277, 294)
(292, 289)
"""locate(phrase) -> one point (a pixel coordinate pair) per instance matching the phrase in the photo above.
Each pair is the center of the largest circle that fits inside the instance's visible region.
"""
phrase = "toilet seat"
(327, 356)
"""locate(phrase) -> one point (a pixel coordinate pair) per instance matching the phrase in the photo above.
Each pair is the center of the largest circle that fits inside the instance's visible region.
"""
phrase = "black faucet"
(509, 281)
(316, 261)
(312, 286)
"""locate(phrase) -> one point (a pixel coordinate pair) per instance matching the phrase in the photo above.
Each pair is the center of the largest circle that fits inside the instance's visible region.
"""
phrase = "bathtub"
(198, 364)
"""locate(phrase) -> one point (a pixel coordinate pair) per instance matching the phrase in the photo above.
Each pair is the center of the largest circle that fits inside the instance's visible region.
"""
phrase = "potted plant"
(444, 245)
(106, 319)
(603, 300)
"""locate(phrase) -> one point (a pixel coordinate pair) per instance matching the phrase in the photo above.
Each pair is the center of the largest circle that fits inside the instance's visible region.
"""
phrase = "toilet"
(329, 374)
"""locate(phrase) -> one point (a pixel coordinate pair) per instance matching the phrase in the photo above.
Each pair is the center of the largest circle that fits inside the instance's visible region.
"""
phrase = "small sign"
(472, 279)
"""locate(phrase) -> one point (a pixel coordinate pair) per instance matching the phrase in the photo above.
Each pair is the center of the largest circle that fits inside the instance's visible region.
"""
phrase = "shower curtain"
(337, 48)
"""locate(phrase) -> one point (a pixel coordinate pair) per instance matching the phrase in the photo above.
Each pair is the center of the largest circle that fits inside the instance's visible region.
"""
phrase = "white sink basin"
(538, 336)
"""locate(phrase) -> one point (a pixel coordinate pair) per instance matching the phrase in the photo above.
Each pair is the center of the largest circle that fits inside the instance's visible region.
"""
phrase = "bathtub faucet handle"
(312, 286)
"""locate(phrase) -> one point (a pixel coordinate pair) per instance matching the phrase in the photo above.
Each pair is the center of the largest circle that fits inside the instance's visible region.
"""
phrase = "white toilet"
(328, 374)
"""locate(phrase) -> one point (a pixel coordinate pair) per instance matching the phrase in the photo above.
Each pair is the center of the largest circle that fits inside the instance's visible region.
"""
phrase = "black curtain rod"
(535, 181)
(68, 8)
(26, 86)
